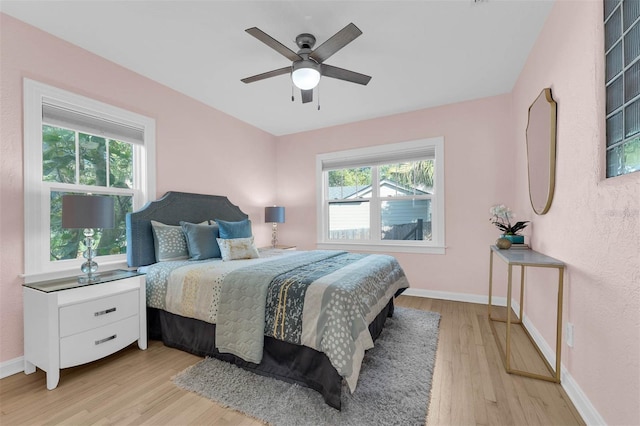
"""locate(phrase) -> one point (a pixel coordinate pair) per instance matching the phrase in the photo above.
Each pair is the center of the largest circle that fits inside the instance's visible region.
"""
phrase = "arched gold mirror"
(541, 151)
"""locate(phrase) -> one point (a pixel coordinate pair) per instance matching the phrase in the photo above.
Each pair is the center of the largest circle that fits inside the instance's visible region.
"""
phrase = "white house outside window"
(383, 198)
(75, 145)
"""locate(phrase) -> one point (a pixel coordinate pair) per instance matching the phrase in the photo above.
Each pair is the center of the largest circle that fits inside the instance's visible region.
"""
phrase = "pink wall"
(199, 149)
(594, 223)
(478, 149)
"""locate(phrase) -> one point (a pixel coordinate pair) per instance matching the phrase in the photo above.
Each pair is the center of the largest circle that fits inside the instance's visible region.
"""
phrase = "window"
(383, 198)
(622, 78)
(75, 145)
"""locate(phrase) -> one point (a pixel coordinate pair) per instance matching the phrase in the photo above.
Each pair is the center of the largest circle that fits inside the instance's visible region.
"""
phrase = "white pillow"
(237, 248)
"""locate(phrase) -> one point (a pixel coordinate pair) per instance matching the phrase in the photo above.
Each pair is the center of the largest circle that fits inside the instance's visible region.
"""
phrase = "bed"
(303, 317)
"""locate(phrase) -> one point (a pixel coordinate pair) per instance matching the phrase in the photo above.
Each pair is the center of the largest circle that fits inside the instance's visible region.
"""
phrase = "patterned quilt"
(321, 299)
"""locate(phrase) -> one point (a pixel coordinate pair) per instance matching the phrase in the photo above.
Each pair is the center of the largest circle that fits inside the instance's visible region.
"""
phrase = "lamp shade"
(87, 211)
(305, 74)
(274, 214)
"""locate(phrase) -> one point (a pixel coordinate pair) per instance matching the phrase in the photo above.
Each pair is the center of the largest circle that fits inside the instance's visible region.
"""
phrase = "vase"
(515, 239)
(503, 243)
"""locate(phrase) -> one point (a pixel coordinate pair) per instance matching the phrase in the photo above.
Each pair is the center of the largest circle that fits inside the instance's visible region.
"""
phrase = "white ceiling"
(419, 53)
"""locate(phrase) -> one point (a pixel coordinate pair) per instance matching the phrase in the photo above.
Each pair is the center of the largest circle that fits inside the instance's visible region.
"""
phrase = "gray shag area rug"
(393, 389)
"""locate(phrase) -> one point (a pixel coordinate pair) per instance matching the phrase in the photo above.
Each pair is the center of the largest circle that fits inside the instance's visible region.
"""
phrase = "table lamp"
(275, 215)
(87, 212)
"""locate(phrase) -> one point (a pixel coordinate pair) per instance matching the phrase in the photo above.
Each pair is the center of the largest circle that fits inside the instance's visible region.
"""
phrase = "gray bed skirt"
(282, 360)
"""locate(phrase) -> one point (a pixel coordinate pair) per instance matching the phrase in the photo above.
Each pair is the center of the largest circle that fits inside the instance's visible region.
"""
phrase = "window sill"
(382, 248)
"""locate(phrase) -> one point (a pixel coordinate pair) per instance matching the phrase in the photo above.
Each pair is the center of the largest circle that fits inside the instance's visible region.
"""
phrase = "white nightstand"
(67, 323)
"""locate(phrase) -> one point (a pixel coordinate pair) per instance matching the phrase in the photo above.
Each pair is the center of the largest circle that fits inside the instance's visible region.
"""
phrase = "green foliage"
(411, 175)
(359, 177)
(64, 242)
(93, 162)
(120, 164)
(95, 168)
(415, 174)
(58, 155)
(624, 158)
(632, 155)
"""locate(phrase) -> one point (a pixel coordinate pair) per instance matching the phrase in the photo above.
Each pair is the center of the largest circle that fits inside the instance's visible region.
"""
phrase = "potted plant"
(501, 216)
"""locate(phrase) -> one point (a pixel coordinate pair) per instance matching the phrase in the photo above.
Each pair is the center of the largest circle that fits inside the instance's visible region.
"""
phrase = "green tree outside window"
(74, 158)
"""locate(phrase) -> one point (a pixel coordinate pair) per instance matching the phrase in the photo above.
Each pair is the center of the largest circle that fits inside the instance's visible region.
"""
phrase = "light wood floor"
(470, 385)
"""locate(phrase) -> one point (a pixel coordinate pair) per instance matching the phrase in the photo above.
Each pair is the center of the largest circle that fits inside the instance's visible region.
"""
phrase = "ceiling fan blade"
(268, 74)
(335, 43)
(307, 96)
(273, 43)
(346, 75)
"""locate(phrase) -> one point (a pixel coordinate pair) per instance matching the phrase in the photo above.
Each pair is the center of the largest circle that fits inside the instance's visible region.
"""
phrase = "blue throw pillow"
(229, 230)
(201, 240)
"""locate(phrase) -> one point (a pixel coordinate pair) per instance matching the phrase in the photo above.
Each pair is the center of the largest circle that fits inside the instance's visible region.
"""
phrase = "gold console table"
(525, 258)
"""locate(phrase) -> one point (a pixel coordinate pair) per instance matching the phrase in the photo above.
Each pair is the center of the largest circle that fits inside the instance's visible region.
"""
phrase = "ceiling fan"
(308, 64)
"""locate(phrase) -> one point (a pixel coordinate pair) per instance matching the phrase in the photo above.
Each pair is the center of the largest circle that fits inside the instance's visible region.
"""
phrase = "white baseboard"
(11, 367)
(456, 297)
(588, 412)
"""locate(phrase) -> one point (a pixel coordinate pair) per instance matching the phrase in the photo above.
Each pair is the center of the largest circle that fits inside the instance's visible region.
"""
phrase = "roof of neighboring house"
(342, 192)
(353, 191)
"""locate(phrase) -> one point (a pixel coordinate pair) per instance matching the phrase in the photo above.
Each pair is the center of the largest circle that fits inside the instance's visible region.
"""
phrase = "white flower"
(501, 216)
(500, 211)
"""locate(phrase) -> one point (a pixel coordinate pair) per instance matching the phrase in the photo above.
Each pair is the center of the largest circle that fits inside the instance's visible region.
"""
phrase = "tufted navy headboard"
(171, 209)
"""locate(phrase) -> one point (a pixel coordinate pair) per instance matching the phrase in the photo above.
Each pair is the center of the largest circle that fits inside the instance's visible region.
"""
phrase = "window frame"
(354, 158)
(37, 263)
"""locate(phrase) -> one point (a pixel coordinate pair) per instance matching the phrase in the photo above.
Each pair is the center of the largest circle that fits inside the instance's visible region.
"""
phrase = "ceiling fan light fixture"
(307, 65)
(305, 74)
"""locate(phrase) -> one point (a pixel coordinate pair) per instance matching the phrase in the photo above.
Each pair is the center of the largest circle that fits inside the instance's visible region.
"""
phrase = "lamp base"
(89, 278)
(89, 267)
(274, 235)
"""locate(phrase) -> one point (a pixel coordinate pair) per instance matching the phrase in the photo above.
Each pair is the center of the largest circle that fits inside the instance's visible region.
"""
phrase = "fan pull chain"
(318, 96)
(292, 98)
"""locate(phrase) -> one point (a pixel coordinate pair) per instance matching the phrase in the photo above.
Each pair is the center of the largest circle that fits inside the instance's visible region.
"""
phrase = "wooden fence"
(405, 231)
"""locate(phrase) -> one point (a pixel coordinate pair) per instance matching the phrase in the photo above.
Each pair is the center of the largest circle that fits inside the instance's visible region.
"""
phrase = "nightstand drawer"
(96, 313)
(97, 343)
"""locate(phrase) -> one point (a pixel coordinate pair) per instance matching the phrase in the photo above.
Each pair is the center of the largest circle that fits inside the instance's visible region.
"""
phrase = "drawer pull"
(107, 311)
(106, 339)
